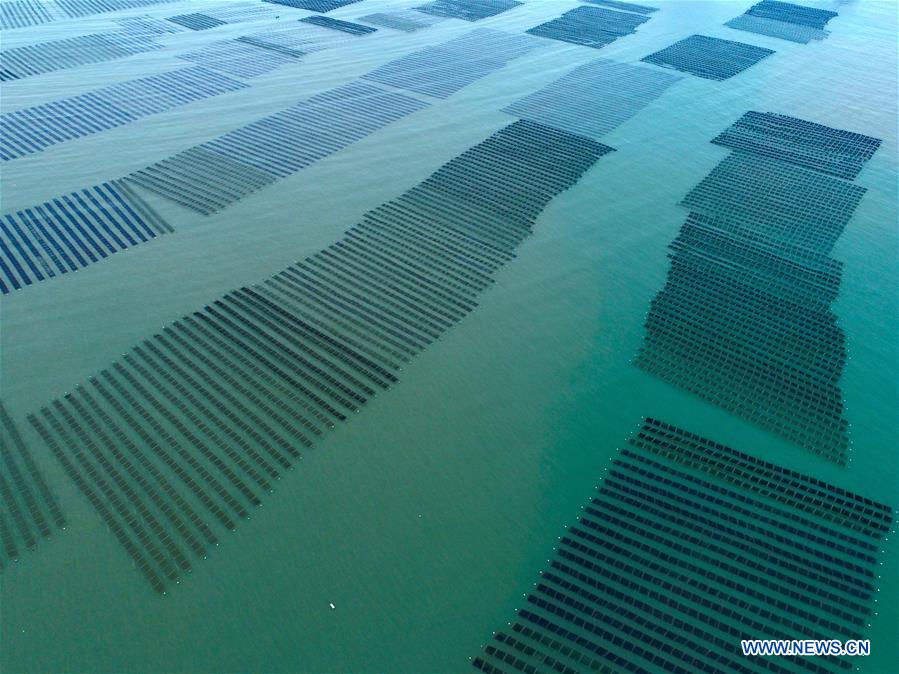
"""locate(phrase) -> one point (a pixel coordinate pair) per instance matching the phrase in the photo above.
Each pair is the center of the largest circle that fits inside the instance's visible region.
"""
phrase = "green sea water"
(425, 519)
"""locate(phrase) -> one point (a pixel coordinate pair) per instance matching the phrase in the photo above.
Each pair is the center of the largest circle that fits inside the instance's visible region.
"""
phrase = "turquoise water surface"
(426, 519)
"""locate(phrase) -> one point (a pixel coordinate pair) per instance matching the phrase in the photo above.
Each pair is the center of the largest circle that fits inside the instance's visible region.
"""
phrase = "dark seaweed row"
(468, 10)
(445, 69)
(335, 24)
(798, 491)
(196, 21)
(30, 510)
(625, 6)
(744, 319)
(214, 175)
(590, 26)
(189, 429)
(666, 571)
(823, 148)
(779, 29)
(22, 13)
(790, 13)
(72, 231)
(404, 20)
(47, 57)
(36, 128)
(313, 5)
(709, 57)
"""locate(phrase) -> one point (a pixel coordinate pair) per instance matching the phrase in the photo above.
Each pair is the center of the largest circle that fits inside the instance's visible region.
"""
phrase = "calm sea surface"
(425, 519)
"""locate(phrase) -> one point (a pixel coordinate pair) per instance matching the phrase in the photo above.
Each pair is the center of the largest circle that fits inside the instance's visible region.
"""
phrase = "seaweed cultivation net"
(687, 547)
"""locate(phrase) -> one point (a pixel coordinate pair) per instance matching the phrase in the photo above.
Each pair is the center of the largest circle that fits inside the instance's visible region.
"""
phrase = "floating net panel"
(686, 548)
(146, 25)
(302, 39)
(313, 5)
(23, 13)
(71, 232)
(212, 176)
(744, 319)
(709, 57)
(201, 180)
(407, 21)
(790, 13)
(335, 24)
(239, 13)
(34, 129)
(625, 6)
(72, 52)
(445, 69)
(814, 497)
(779, 29)
(239, 58)
(809, 278)
(196, 21)
(182, 437)
(595, 98)
(797, 141)
(590, 26)
(30, 510)
(811, 207)
(79, 8)
(468, 10)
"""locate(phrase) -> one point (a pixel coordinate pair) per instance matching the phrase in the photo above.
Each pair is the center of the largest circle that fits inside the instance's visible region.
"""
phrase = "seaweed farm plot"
(71, 52)
(791, 203)
(407, 21)
(709, 57)
(72, 231)
(624, 6)
(34, 129)
(680, 555)
(445, 69)
(211, 176)
(594, 98)
(785, 21)
(146, 25)
(313, 5)
(590, 26)
(184, 435)
(468, 10)
(240, 58)
(23, 13)
(744, 319)
(303, 38)
(790, 13)
(30, 510)
(196, 21)
(335, 24)
(79, 8)
(815, 146)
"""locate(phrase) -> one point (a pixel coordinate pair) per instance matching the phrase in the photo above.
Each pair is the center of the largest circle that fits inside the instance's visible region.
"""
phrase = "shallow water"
(425, 519)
